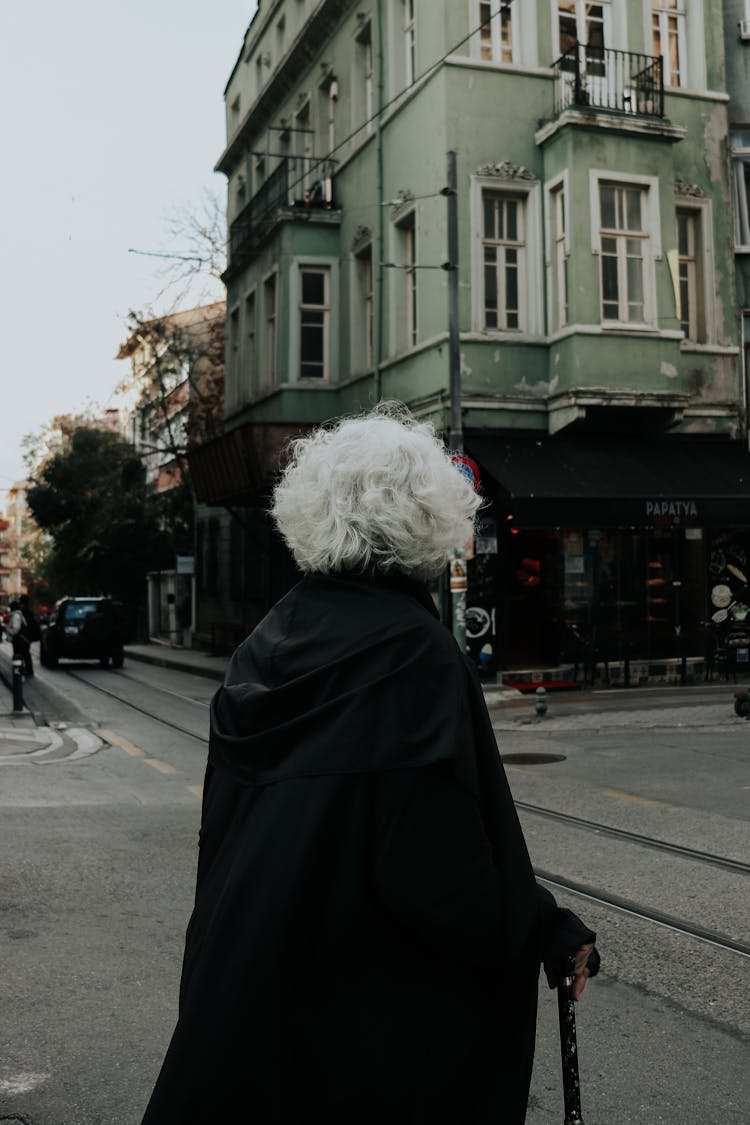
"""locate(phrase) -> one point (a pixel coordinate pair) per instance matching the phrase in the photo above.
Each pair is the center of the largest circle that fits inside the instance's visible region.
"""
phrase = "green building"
(601, 380)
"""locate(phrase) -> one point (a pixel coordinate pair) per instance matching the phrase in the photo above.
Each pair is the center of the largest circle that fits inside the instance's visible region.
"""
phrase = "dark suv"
(83, 629)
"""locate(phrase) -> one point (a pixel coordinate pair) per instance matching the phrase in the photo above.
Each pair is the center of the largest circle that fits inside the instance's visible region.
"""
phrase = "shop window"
(668, 39)
(236, 560)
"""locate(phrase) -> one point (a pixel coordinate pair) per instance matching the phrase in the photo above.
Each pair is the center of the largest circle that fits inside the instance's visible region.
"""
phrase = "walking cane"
(569, 1048)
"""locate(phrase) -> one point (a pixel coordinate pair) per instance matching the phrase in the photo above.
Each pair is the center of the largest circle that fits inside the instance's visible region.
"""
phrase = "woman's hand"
(581, 971)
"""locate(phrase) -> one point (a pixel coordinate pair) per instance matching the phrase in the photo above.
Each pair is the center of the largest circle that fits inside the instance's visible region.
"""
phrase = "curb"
(178, 665)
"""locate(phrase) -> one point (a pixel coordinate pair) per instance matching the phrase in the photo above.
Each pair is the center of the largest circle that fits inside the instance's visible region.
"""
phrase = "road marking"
(124, 744)
(197, 789)
(162, 767)
(21, 1083)
(648, 801)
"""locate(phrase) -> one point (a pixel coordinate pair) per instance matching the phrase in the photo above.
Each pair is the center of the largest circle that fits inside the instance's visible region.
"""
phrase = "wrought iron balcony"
(297, 184)
(599, 78)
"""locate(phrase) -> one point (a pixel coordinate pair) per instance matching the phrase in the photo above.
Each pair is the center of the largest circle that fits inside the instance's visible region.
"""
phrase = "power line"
(397, 97)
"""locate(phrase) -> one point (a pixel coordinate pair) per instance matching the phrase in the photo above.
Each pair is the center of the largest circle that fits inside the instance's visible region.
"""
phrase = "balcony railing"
(615, 81)
(296, 184)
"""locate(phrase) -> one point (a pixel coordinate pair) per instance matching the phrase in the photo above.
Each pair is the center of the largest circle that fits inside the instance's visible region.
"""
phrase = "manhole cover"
(531, 759)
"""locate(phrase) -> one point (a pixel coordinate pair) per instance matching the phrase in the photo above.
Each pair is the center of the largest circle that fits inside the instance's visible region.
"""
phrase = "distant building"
(15, 536)
(601, 380)
(174, 402)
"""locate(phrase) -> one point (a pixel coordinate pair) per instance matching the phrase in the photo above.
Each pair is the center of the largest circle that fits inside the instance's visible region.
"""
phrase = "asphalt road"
(99, 849)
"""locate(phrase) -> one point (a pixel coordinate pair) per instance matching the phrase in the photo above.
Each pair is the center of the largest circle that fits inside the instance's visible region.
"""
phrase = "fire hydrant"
(541, 702)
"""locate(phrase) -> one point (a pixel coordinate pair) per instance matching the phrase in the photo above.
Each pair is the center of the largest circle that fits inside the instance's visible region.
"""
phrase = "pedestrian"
(23, 629)
(367, 933)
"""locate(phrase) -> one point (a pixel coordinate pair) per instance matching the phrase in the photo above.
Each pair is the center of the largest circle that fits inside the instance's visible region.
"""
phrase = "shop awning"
(546, 482)
(236, 467)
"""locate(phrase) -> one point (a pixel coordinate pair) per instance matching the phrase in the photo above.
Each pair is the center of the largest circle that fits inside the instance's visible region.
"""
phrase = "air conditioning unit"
(744, 27)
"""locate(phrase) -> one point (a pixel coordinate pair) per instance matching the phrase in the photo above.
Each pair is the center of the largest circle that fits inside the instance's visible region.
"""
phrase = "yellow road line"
(648, 801)
(123, 743)
(197, 789)
(162, 767)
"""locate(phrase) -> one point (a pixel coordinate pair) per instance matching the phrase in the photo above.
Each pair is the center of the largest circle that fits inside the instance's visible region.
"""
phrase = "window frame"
(249, 345)
(739, 151)
(296, 265)
(269, 367)
(409, 26)
(529, 190)
(497, 11)
(702, 211)
(362, 317)
(325, 310)
(557, 253)
(404, 288)
(658, 9)
(363, 79)
(652, 230)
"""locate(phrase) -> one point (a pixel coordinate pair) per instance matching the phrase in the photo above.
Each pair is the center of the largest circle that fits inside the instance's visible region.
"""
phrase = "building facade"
(602, 390)
(174, 402)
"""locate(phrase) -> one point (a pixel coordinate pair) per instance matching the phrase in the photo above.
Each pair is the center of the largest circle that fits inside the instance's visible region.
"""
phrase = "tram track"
(553, 880)
(136, 707)
(652, 842)
(635, 910)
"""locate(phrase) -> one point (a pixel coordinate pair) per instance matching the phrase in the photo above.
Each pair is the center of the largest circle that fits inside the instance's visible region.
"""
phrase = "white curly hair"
(375, 492)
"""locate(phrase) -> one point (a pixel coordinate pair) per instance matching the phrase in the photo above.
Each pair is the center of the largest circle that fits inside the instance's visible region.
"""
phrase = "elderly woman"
(367, 933)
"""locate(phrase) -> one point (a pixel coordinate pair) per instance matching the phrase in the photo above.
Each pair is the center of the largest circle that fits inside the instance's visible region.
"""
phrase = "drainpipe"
(378, 388)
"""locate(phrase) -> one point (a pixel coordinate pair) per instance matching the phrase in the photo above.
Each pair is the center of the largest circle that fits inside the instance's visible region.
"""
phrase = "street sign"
(185, 564)
(469, 468)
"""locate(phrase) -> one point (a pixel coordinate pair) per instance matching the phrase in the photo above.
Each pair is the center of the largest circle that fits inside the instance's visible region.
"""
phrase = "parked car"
(83, 629)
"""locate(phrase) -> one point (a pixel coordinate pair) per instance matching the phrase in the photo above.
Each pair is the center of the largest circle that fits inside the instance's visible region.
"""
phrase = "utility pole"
(458, 571)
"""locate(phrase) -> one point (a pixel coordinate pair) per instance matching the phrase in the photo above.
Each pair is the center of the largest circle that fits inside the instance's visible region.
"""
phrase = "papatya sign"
(671, 509)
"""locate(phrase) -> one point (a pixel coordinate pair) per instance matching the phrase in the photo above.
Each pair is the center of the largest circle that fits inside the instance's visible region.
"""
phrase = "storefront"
(610, 548)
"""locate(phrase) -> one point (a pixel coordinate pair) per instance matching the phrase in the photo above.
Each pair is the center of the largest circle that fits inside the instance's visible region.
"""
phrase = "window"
(668, 38)
(269, 341)
(233, 356)
(406, 288)
(687, 269)
(582, 22)
(409, 42)
(250, 358)
(623, 246)
(496, 31)
(558, 233)
(363, 66)
(327, 94)
(363, 313)
(303, 144)
(587, 24)
(314, 322)
(740, 146)
(503, 260)
(695, 268)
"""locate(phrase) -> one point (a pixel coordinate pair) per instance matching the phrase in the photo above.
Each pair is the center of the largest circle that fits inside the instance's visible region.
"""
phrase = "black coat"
(367, 932)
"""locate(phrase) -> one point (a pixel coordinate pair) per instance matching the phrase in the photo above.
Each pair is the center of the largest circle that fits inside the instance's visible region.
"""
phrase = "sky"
(112, 121)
